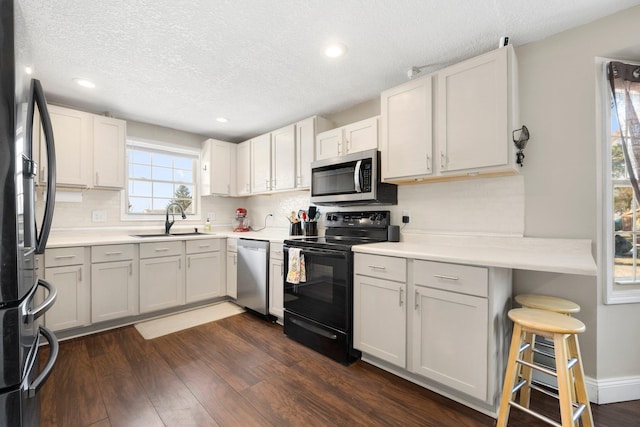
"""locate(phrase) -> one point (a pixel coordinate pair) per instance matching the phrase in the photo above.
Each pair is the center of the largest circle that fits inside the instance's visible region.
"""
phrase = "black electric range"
(318, 311)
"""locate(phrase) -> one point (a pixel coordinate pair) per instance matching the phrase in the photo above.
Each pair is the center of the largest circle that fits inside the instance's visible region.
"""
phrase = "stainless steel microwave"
(352, 179)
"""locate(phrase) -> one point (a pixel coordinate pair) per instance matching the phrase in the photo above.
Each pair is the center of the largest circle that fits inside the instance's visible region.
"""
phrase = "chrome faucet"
(167, 223)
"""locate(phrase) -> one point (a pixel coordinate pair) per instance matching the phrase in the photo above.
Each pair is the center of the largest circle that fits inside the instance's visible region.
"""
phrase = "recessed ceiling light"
(28, 69)
(221, 120)
(85, 83)
(335, 50)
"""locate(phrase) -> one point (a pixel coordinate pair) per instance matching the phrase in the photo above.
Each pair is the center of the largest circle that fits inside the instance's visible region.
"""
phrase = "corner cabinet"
(243, 169)
(406, 146)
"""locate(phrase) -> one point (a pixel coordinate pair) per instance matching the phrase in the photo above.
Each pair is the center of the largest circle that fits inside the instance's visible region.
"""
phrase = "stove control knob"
(379, 217)
(331, 217)
(372, 217)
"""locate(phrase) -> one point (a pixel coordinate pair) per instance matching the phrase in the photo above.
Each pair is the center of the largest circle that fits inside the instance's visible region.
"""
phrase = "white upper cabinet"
(72, 134)
(109, 137)
(283, 159)
(261, 164)
(406, 144)
(359, 136)
(474, 114)
(243, 169)
(218, 158)
(305, 147)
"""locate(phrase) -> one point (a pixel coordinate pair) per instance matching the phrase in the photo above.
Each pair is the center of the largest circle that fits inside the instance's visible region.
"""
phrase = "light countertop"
(570, 256)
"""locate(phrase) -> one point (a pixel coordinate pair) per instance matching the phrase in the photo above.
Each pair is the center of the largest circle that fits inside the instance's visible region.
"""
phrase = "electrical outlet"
(211, 216)
(99, 216)
(406, 216)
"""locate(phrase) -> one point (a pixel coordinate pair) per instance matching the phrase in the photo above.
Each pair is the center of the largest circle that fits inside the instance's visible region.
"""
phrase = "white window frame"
(612, 293)
(169, 148)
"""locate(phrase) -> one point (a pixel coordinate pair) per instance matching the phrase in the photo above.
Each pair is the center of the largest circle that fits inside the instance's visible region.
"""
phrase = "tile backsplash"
(493, 206)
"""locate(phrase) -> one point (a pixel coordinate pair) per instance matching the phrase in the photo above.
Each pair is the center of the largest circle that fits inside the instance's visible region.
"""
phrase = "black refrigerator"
(23, 235)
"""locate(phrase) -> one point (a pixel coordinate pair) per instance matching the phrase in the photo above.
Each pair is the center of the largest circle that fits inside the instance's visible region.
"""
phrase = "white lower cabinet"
(204, 267)
(276, 281)
(114, 282)
(162, 280)
(66, 269)
(232, 268)
(438, 324)
(380, 287)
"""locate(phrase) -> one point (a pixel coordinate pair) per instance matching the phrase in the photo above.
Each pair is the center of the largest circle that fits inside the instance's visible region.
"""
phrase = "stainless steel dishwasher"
(253, 275)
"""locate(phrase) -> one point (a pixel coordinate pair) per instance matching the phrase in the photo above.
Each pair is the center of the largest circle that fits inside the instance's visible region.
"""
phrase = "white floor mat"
(177, 322)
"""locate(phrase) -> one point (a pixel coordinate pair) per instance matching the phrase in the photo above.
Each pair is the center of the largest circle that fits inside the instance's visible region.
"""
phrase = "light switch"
(99, 216)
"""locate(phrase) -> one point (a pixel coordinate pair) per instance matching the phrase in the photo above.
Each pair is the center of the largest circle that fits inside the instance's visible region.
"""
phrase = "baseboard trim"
(613, 390)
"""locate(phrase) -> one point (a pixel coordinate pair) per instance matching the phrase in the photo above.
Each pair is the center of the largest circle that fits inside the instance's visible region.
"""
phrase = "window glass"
(159, 176)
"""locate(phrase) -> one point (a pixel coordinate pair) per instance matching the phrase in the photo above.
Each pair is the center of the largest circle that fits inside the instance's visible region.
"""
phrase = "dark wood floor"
(243, 371)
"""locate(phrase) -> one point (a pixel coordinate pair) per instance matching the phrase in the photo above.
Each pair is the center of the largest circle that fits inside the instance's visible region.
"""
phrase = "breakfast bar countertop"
(570, 256)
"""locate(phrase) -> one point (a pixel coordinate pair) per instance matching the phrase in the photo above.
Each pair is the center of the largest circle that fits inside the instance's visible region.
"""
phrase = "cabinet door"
(71, 309)
(329, 144)
(114, 290)
(232, 274)
(305, 146)
(203, 276)
(473, 113)
(243, 171)
(276, 291)
(161, 283)
(283, 160)
(108, 152)
(72, 135)
(360, 136)
(261, 164)
(223, 156)
(406, 144)
(379, 318)
(449, 339)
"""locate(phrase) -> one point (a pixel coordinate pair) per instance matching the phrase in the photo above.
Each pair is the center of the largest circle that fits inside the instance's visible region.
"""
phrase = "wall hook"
(520, 140)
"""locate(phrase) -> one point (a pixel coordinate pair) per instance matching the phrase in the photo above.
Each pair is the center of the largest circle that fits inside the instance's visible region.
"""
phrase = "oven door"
(326, 296)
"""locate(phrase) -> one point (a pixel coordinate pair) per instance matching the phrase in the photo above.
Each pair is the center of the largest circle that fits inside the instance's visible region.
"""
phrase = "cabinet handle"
(235, 259)
(179, 263)
(281, 270)
(428, 163)
(266, 184)
(113, 253)
(97, 179)
(130, 269)
(189, 262)
(439, 276)
(348, 145)
(204, 246)
(377, 267)
(443, 160)
(65, 256)
(417, 299)
(161, 249)
(273, 184)
(80, 274)
(204, 168)
(400, 296)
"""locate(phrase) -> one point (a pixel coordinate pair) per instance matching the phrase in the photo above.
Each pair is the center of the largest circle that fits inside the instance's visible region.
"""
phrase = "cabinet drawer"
(232, 245)
(452, 277)
(197, 246)
(275, 251)
(111, 253)
(390, 268)
(160, 249)
(59, 257)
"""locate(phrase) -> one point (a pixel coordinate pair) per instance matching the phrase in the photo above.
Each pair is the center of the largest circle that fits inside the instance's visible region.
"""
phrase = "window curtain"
(624, 80)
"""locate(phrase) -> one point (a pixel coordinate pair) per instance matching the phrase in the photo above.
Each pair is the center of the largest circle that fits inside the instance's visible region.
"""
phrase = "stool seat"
(546, 321)
(547, 302)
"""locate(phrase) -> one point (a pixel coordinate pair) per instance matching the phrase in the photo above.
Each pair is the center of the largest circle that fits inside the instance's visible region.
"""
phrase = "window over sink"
(157, 175)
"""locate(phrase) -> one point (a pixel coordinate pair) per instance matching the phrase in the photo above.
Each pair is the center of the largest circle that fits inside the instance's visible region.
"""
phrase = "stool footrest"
(578, 412)
(535, 414)
(545, 351)
(537, 367)
(524, 346)
(518, 386)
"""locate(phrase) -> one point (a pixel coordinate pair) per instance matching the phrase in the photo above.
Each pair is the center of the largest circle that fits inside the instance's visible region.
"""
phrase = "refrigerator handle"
(40, 100)
(53, 355)
(34, 313)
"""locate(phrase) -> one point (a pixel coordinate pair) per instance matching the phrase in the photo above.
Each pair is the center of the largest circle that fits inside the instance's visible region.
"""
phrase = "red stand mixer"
(241, 222)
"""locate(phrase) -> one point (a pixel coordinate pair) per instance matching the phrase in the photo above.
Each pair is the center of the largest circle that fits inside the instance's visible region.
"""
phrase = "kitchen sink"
(192, 233)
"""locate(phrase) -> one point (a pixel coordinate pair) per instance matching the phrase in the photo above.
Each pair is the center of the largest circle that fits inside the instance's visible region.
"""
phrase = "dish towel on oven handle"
(297, 272)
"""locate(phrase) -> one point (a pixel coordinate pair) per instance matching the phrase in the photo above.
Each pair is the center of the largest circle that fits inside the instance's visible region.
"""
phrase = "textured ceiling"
(259, 63)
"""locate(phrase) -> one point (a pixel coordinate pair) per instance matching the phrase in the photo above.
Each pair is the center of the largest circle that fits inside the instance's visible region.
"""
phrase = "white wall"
(558, 105)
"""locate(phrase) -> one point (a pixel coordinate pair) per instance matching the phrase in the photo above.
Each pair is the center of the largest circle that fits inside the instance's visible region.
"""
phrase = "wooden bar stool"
(543, 347)
(563, 331)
